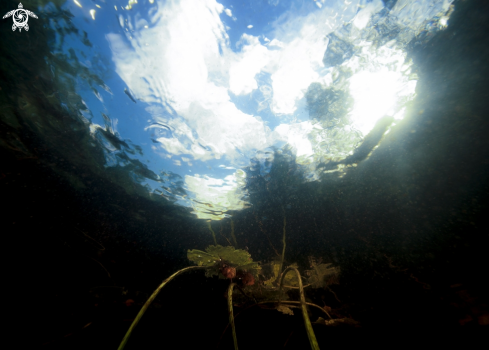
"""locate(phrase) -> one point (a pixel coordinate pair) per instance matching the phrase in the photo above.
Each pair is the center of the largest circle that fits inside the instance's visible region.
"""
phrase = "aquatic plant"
(235, 242)
(237, 266)
(216, 258)
(150, 300)
(321, 275)
(307, 322)
(212, 232)
(225, 262)
(283, 243)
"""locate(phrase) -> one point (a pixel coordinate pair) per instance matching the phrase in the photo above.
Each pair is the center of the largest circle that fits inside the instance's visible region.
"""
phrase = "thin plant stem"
(309, 304)
(212, 231)
(231, 314)
(266, 235)
(271, 302)
(283, 246)
(150, 300)
(102, 266)
(232, 234)
(307, 322)
(292, 287)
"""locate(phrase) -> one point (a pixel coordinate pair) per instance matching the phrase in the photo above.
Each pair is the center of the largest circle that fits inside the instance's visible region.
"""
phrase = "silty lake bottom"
(406, 230)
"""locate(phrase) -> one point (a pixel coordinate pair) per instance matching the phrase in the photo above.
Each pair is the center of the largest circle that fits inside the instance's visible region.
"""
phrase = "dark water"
(85, 246)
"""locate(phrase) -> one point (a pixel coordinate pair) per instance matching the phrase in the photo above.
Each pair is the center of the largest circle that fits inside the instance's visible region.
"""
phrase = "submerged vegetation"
(246, 275)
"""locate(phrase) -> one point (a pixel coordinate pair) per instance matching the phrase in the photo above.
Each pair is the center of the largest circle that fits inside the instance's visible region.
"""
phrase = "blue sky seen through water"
(219, 84)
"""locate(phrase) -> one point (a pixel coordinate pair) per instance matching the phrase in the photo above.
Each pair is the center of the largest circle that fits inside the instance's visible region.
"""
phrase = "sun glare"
(379, 89)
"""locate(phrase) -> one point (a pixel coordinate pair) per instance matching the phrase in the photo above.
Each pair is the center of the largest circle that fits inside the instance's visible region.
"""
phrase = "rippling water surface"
(194, 98)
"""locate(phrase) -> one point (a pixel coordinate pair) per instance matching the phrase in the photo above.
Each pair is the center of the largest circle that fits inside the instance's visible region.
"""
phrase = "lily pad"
(234, 257)
(200, 258)
(214, 255)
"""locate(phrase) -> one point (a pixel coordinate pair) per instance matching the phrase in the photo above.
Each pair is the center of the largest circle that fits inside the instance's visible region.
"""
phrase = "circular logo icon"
(20, 17)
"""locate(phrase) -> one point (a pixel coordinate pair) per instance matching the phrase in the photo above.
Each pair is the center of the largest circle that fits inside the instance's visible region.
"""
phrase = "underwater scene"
(253, 174)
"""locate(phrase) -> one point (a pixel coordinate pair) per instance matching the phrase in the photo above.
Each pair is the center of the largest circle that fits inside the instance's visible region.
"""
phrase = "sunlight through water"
(209, 89)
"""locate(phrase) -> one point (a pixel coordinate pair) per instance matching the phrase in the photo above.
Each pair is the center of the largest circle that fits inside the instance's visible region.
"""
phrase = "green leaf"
(234, 257)
(214, 254)
(200, 258)
(252, 268)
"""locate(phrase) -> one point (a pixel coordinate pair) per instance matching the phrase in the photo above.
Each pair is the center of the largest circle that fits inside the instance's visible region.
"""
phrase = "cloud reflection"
(179, 60)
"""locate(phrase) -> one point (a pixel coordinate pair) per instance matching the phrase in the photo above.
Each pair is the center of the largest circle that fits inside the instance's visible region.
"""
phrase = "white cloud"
(223, 127)
(248, 63)
(297, 135)
(188, 64)
(180, 58)
(363, 16)
(295, 70)
(302, 43)
(184, 68)
(183, 52)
